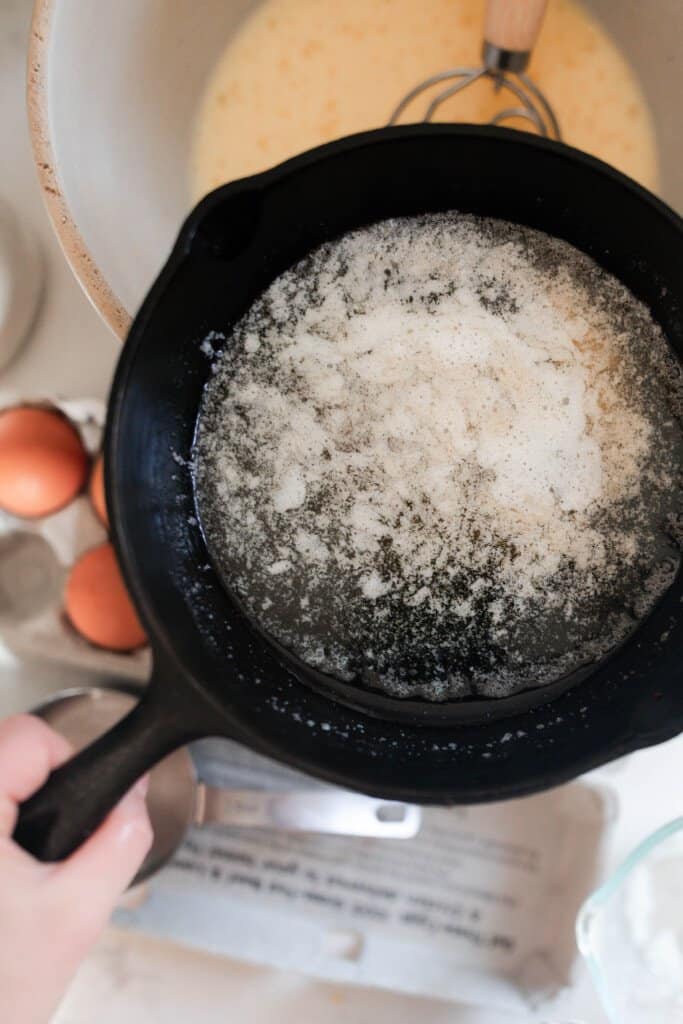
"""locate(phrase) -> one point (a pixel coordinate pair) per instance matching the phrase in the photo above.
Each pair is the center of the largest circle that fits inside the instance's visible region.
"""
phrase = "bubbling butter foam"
(439, 456)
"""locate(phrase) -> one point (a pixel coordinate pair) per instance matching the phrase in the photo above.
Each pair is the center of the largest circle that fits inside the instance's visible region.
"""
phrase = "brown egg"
(43, 464)
(98, 604)
(96, 491)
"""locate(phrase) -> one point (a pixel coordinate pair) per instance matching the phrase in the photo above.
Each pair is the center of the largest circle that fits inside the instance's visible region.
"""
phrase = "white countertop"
(72, 354)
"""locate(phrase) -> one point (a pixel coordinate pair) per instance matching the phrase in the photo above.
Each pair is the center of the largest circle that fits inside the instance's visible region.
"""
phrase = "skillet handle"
(79, 794)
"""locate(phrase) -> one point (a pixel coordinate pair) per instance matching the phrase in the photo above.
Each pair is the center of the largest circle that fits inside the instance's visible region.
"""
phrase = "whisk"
(510, 32)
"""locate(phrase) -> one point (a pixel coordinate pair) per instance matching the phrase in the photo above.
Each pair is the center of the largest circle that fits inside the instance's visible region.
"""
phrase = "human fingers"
(29, 750)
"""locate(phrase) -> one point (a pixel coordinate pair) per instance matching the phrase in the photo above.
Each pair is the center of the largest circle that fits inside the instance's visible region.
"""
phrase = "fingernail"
(138, 831)
(135, 825)
(134, 803)
(141, 786)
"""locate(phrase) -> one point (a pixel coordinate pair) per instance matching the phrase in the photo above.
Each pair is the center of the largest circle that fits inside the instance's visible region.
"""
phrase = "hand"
(51, 914)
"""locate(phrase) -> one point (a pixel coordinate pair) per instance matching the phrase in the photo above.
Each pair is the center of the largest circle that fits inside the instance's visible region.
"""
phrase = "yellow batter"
(302, 72)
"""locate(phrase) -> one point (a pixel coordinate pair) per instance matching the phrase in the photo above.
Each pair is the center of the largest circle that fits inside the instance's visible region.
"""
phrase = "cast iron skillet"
(214, 674)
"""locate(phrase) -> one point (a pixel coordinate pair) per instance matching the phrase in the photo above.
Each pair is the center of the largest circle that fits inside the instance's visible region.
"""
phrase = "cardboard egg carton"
(36, 556)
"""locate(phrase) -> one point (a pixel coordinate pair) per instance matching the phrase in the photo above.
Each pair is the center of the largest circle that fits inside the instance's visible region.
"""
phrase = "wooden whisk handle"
(510, 32)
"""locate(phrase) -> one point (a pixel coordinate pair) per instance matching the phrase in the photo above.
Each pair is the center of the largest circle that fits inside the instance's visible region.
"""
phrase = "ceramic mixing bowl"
(113, 89)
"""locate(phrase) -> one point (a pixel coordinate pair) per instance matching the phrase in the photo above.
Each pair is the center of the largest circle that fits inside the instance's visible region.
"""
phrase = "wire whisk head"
(506, 71)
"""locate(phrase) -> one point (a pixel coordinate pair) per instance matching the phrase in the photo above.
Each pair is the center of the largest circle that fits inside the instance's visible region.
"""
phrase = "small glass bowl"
(631, 933)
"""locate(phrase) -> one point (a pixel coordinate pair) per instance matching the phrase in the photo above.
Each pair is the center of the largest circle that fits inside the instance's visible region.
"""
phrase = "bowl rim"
(76, 252)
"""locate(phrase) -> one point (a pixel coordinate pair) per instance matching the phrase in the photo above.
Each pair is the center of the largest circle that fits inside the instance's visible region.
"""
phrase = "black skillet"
(214, 674)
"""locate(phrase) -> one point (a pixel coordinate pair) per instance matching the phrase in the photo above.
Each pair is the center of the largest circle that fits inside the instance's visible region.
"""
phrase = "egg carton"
(36, 556)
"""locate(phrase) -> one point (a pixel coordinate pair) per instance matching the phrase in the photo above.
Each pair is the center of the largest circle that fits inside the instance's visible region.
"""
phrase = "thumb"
(95, 875)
